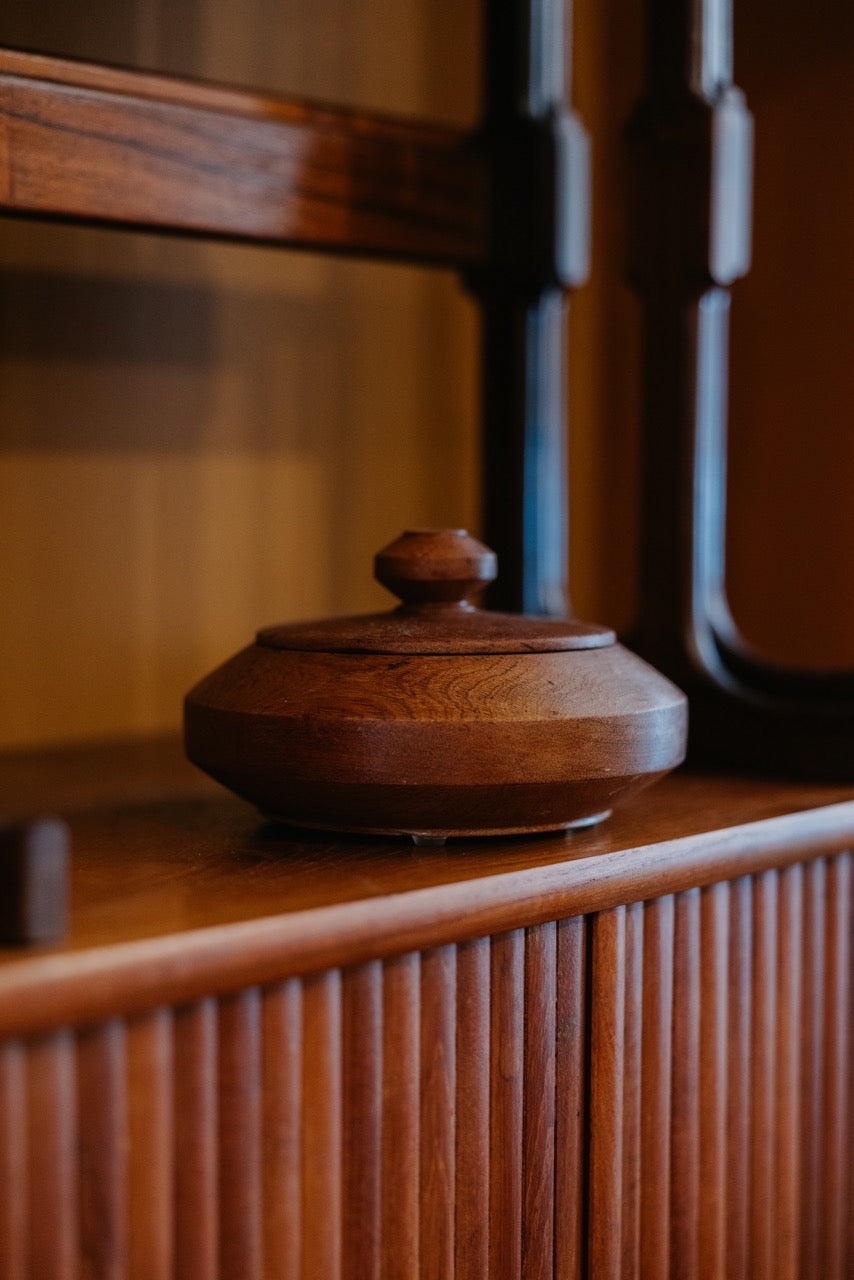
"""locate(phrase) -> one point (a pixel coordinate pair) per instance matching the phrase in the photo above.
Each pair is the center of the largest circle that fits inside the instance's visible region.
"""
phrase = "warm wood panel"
(239, 1123)
(787, 1190)
(321, 1128)
(53, 1176)
(101, 1145)
(657, 1057)
(685, 1101)
(151, 1139)
(599, 1096)
(607, 1039)
(538, 1154)
(632, 1090)
(281, 1037)
(97, 144)
(437, 1182)
(472, 1149)
(714, 967)
(401, 1127)
(362, 1120)
(571, 1031)
(836, 1176)
(763, 1082)
(13, 1162)
(739, 1049)
(196, 1173)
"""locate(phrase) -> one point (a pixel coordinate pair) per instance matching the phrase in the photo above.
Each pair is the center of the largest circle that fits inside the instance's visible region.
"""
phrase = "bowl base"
(434, 837)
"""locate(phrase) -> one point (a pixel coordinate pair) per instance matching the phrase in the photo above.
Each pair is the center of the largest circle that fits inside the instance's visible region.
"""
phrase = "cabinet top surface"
(161, 855)
(158, 848)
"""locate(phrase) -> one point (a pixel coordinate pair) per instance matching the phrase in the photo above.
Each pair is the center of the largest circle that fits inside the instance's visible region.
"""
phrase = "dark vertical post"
(539, 197)
(691, 141)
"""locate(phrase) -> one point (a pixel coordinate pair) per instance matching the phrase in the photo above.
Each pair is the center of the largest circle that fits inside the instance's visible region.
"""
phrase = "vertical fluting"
(281, 1065)
(53, 1170)
(571, 1094)
(401, 1122)
(607, 1058)
(506, 1104)
(322, 1133)
(632, 1085)
(812, 1033)
(685, 1115)
(196, 1144)
(538, 1154)
(763, 1080)
(362, 1008)
(102, 1152)
(656, 1072)
(472, 1145)
(738, 1083)
(787, 1125)
(13, 1161)
(714, 968)
(836, 1157)
(438, 1113)
(151, 1167)
(240, 1235)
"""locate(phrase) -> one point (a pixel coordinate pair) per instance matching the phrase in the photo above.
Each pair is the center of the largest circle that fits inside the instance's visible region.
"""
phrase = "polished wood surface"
(121, 147)
(623, 1053)
(209, 894)
(349, 724)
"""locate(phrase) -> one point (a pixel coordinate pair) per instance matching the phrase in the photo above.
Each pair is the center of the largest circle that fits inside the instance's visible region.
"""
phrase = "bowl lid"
(436, 572)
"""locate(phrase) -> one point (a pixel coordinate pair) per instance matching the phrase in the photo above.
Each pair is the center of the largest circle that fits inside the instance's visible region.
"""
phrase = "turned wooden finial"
(435, 566)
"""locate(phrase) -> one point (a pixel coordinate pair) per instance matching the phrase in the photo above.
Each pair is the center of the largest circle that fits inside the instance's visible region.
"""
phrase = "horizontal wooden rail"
(83, 984)
(91, 143)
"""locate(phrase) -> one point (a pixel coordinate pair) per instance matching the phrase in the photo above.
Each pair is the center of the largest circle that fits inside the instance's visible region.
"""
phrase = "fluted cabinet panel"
(745, 1081)
(53, 1182)
(571, 1076)
(472, 1144)
(656, 1059)
(151, 1142)
(13, 1161)
(401, 1117)
(738, 1079)
(101, 1146)
(714, 970)
(660, 1088)
(281, 1035)
(438, 1113)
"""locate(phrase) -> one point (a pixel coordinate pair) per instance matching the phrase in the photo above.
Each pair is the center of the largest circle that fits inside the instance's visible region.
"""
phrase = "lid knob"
(435, 566)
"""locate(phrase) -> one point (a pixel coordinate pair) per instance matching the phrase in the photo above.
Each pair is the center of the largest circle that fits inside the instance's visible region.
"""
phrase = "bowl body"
(435, 745)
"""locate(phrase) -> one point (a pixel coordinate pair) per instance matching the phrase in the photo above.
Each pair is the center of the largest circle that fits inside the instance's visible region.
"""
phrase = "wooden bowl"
(436, 719)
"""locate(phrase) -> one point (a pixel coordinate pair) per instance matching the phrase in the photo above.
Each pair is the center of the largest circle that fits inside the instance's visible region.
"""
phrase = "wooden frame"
(96, 144)
(691, 142)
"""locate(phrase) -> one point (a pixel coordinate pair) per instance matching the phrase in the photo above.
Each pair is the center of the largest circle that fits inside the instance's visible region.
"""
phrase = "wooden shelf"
(171, 875)
(91, 143)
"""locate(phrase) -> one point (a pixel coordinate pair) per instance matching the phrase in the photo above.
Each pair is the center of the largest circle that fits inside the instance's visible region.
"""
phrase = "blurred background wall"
(199, 439)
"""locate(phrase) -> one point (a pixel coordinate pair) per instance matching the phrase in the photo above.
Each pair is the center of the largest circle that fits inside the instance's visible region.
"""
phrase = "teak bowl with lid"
(436, 718)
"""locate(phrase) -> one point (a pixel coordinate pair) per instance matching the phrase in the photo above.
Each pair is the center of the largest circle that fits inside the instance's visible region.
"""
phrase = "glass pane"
(407, 56)
(198, 440)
